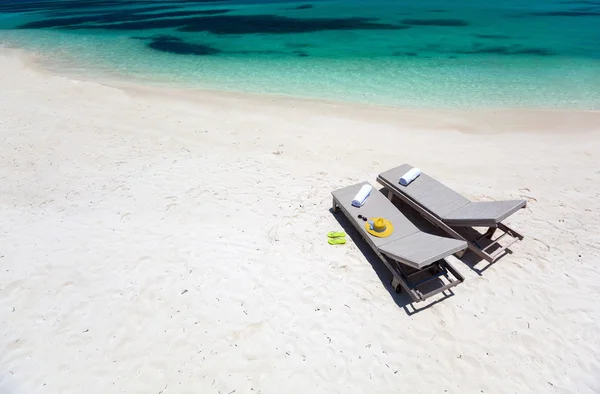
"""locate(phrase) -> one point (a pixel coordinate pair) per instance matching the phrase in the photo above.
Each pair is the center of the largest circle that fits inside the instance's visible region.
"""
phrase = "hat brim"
(389, 229)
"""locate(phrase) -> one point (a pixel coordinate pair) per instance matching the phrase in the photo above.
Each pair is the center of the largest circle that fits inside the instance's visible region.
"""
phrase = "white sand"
(161, 242)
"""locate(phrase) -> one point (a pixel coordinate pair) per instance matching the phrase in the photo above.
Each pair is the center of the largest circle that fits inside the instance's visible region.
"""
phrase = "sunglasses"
(363, 217)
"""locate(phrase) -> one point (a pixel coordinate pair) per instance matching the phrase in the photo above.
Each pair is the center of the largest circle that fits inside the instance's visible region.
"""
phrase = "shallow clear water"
(413, 53)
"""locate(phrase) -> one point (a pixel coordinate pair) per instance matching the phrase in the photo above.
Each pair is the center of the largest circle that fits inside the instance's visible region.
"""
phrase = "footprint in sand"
(11, 287)
(172, 200)
(545, 245)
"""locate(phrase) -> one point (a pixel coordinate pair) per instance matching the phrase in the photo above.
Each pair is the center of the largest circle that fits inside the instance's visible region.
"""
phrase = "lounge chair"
(455, 214)
(415, 258)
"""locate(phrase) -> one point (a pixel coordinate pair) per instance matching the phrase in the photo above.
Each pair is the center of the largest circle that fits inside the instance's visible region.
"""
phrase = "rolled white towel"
(362, 196)
(410, 176)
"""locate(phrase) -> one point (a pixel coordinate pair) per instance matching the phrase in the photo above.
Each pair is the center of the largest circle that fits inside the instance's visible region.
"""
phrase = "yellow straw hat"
(381, 227)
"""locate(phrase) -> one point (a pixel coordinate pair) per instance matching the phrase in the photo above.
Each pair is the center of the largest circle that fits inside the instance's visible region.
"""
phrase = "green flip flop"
(336, 241)
(336, 234)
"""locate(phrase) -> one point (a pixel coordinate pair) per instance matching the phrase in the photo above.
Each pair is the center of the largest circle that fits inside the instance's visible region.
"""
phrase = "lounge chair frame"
(467, 234)
(405, 277)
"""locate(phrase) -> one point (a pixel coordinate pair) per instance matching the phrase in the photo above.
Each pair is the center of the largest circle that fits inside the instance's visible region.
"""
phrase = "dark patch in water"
(581, 2)
(260, 52)
(452, 57)
(298, 45)
(174, 45)
(273, 24)
(300, 53)
(492, 36)
(189, 13)
(409, 54)
(438, 11)
(84, 12)
(532, 51)
(435, 22)
(84, 5)
(245, 24)
(302, 7)
(182, 20)
(565, 13)
(114, 17)
(506, 50)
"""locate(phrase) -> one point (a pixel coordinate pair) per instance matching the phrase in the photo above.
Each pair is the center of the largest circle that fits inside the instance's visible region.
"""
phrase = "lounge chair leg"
(490, 233)
(436, 269)
(390, 195)
(459, 255)
(396, 285)
(335, 206)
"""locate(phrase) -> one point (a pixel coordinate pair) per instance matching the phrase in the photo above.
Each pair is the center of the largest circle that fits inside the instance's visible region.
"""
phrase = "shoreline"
(476, 120)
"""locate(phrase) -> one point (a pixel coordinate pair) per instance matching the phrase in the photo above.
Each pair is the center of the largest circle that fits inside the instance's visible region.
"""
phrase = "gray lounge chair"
(415, 258)
(455, 214)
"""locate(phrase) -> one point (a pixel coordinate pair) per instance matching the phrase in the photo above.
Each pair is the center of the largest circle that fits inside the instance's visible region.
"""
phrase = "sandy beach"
(158, 241)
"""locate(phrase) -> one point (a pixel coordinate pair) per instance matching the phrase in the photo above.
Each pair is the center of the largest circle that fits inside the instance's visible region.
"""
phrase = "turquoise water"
(409, 53)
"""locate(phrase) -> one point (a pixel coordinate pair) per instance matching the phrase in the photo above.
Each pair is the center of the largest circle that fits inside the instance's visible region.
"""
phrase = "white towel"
(362, 195)
(410, 176)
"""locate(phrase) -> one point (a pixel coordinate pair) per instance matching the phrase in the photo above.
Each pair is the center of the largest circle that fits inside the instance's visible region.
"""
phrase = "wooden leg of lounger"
(390, 195)
(490, 233)
(440, 269)
(335, 206)
(510, 231)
